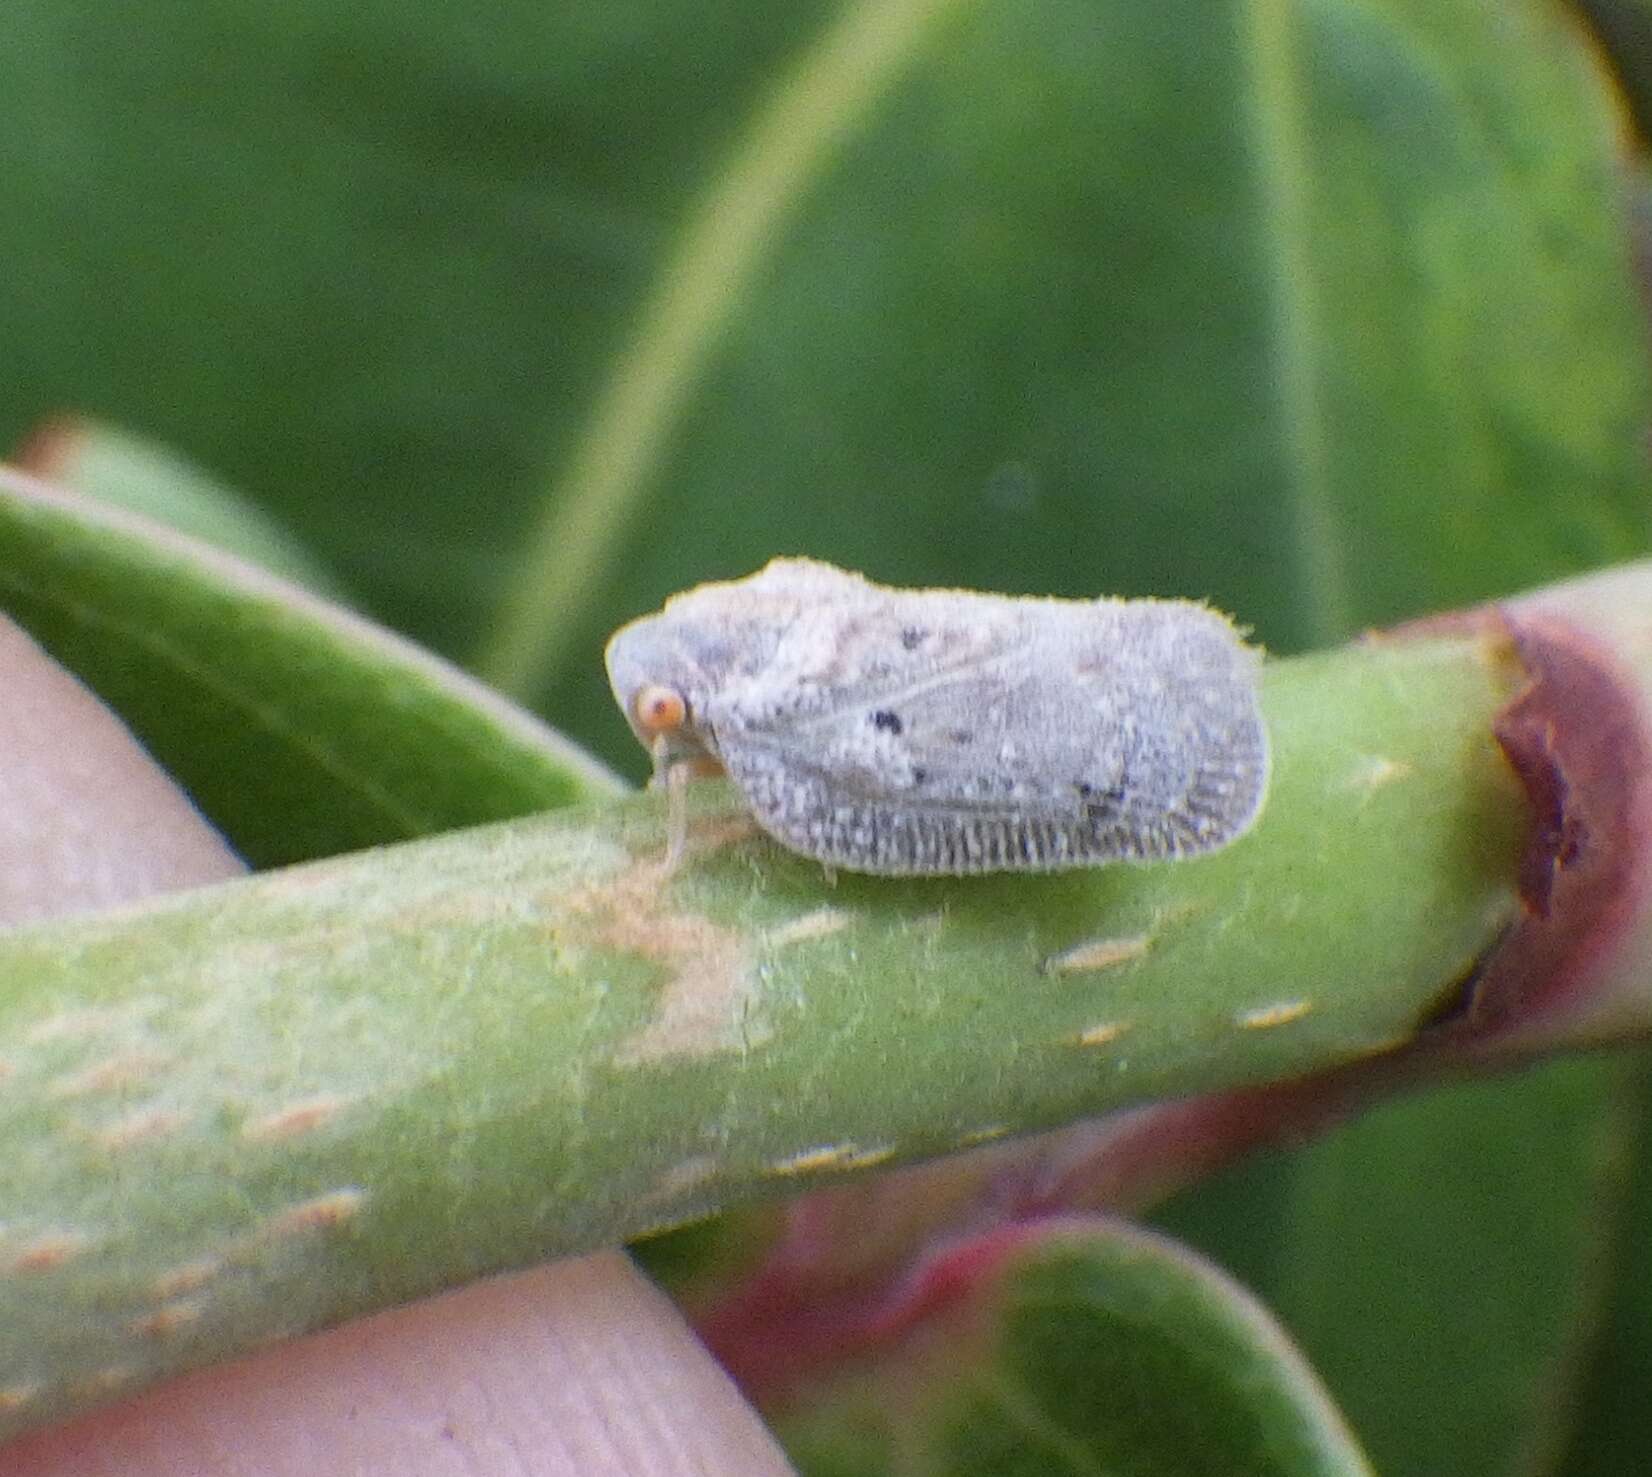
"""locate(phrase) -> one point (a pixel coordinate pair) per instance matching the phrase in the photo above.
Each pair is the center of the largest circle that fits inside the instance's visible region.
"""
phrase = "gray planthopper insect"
(930, 732)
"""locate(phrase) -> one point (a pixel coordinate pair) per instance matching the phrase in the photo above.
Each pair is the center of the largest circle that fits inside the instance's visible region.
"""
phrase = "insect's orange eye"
(659, 709)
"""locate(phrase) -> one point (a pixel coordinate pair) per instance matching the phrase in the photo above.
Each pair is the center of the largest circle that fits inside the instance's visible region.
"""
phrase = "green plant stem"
(265, 1106)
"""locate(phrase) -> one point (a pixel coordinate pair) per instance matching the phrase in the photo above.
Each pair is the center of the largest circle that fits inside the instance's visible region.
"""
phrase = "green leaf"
(1514, 1255)
(121, 470)
(1318, 308)
(1377, 291)
(1610, 1426)
(1072, 1348)
(299, 730)
(1441, 1262)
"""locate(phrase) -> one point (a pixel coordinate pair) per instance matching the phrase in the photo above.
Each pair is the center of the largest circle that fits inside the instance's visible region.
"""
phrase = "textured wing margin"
(1094, 732)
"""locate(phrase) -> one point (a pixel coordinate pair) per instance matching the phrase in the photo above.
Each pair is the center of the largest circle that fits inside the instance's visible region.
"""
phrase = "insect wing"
(1017, 735)
(1172, 729)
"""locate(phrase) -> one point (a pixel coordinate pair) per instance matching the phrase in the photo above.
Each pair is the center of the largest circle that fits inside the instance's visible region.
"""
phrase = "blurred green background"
(1321, 311)
(516, 317)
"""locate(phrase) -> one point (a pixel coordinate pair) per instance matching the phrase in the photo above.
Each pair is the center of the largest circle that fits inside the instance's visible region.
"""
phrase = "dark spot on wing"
(913, 637)
(886, 722)
(919, 774)
(961, 736)
(1100, 805)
